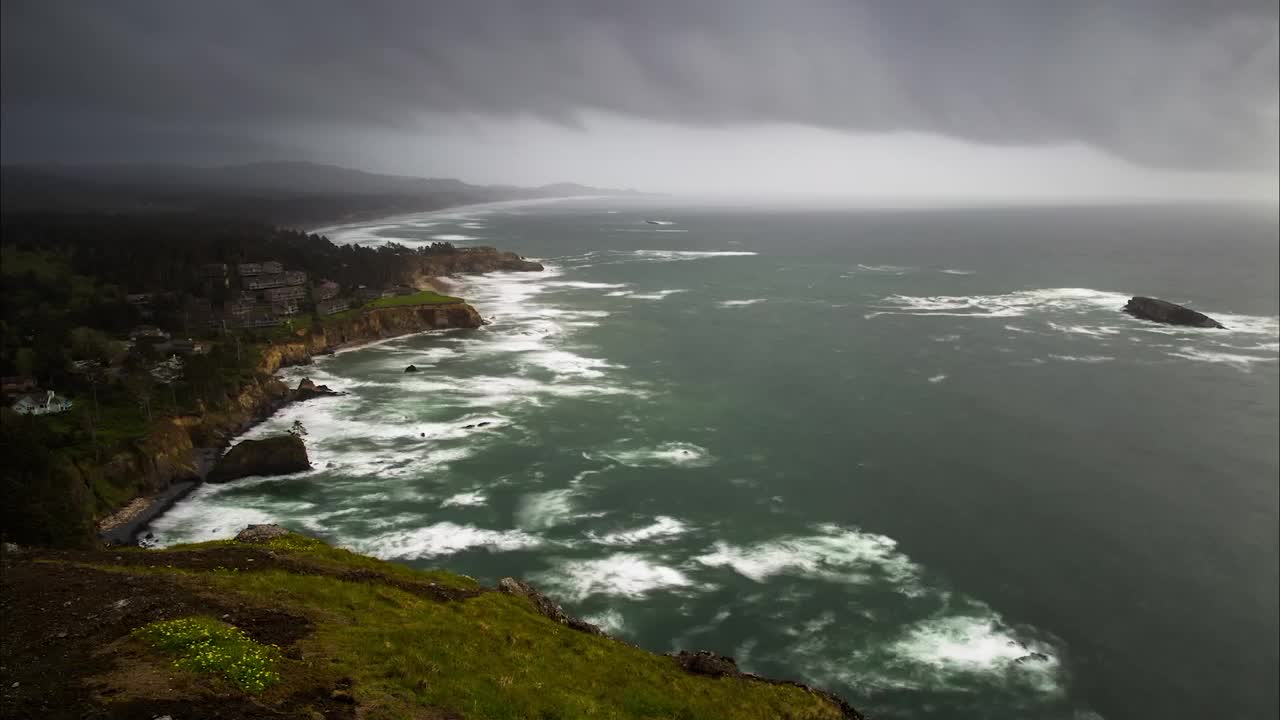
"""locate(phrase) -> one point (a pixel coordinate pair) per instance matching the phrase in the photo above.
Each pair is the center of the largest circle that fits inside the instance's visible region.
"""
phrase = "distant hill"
(291, 193)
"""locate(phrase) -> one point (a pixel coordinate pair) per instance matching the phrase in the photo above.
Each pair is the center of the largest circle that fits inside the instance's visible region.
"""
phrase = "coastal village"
(260, 296)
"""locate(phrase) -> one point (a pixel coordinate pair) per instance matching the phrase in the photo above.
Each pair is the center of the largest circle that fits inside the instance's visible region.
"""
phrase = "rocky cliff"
(169, 452)
(279, 455)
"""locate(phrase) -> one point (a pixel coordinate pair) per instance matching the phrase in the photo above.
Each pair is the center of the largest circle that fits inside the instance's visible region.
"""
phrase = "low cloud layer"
(1167, 85)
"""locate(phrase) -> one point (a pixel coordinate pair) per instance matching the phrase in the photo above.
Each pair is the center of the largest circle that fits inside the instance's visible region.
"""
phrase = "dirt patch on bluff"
(247, 558)
(66, 628)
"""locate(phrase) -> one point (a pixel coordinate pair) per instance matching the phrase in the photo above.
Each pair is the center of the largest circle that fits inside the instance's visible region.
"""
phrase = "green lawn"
(426, 297)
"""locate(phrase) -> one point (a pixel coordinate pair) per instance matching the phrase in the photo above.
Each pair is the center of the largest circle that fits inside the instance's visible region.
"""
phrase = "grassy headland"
(298, 629)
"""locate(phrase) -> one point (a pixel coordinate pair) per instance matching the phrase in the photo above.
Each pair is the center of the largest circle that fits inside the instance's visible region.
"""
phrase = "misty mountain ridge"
(282, 176)
(293, 193)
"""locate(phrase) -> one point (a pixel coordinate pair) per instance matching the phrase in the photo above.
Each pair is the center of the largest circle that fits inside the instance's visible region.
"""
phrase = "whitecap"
(621, 574)
(610, 621)
(585, 285)
(453, 237)
(543, 510)
(937, 378)
(674, 255)
(833, 553)
(886, 269)
(1091, 359)
(671, 454)
(443, 538)
(740, 303)
(662, 529)
(951, 271)
(656, 295)
(1236, 360)
(471, 498)
(1015, 304)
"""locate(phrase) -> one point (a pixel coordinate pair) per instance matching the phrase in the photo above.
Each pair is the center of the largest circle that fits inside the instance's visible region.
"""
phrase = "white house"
(37, 404)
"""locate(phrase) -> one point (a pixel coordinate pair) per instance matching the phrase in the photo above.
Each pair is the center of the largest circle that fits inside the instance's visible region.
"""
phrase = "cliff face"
(468, 260)
(168, 453)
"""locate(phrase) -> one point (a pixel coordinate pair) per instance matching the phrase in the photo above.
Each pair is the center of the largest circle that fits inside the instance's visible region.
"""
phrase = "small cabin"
(41, 404)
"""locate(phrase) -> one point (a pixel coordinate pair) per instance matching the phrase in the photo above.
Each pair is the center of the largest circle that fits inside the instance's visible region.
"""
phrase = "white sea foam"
(662, 529)
(1093, 331)
(958, 645)
(740, 303)
(1236, 360)
(672, 454)
(1091, 359)
(937, 378)
(952, 271)
(677, 255)
(584, 285)
(444, 538)
(656, 295)
(621, 574)
(885, 269)
(472, 225)
(1015, 304)
(833, 553)
(610, 621)
(454, 237)
(472, 498)
(539, 511)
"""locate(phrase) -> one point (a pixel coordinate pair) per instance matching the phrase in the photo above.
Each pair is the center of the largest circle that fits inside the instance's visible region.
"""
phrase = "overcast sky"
(989, 98)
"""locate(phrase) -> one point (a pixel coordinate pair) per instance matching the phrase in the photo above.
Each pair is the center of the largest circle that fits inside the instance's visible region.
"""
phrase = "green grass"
(489, 656)
(426, 297)
(205, 645)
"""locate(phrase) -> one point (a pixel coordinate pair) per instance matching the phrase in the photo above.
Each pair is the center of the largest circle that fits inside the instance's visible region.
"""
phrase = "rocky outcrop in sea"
(1163, 311)
(279, 455)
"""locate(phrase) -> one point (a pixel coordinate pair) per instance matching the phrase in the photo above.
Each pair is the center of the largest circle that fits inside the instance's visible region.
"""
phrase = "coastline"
(122, 527)
(466, 207)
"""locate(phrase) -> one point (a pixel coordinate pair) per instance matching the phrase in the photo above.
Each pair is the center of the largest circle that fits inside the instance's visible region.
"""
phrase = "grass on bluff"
(426, 297)
(205, 645)
(488, 656)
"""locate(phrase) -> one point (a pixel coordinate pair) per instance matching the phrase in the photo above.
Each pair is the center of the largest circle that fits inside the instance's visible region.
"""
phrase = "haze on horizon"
(991, 99)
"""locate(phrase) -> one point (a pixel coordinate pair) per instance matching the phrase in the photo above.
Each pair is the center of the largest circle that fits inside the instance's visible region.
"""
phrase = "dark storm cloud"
(1171, 84)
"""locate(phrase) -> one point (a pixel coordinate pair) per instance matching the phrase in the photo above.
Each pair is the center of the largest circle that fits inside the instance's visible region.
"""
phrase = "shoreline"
(124, 526)
(482, 206)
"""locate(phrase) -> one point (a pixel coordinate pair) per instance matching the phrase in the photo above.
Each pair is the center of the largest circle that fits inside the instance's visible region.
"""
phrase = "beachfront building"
(331, 307)
(325, 290)
(288, 293)
(41, 404)
(249, 269)
(285, 307)
(260, 316)
(262, 282)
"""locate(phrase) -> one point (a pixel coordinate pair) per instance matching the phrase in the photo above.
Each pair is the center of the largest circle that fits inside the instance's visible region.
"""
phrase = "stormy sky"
(877, 98)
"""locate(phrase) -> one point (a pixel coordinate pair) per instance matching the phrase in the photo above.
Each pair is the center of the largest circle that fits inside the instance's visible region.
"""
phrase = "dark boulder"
(703, 662)
(279, 455)
(1162, 311)
(307, 390)
(545, 605)
(411, 369)
(260, 533)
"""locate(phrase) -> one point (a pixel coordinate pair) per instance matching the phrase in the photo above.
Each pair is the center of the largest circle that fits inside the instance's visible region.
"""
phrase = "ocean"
(916, 457)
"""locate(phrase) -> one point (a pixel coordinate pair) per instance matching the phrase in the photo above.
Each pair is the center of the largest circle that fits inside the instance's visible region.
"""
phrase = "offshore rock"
(279, 455)
(307, 390)
(1162, 311)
